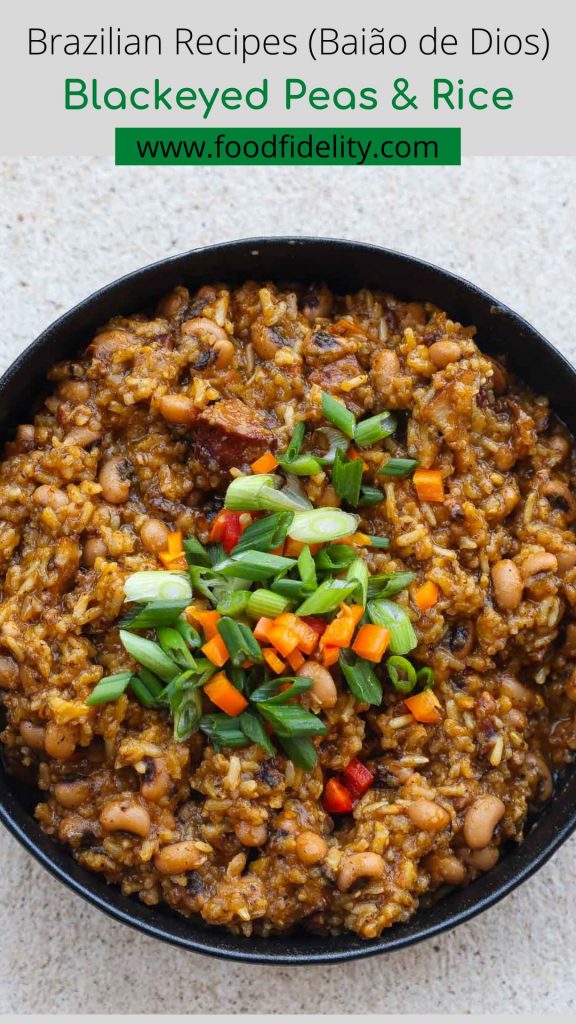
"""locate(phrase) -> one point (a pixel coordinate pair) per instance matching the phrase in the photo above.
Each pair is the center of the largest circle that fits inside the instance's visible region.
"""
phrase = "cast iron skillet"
(345, 266)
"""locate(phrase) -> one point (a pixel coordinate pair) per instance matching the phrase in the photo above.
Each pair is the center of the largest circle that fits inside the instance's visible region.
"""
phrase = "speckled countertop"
(71, 225)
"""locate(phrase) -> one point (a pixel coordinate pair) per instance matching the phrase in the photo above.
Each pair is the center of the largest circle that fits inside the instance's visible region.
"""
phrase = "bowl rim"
(528, 856)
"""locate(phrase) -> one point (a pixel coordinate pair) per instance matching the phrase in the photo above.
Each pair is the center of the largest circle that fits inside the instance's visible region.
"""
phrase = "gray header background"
(540, 122)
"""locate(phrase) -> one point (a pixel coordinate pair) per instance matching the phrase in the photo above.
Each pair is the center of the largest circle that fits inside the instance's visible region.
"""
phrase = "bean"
(317, 303)
(174, 303)
(516, 691)
(33, 735)
(177, 409)
(9, 673)
(483, 860)
(545, 784)
(445, 868)
(540, 561)
(125, 815)
(560, 446)
(75, 391)
(156, 782)
(507, 584)
(428, 815)
(561, 498)
(49, 496)
(481, 820)
(265, 341)
(209, 331)
(93, 548)
(444, 352)
(311, 848)
(386, 365)
(177, 858)
(566, 559)
(251, 834)
(82, 436)
(286, 823)
(112, 479)
(72, 794)
(323, 687)
(154, 536)
(60, 741)
(355, 866)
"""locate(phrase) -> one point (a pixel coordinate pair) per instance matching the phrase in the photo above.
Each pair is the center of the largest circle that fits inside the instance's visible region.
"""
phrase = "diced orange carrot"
(292, 548)
(261, 629)
(307, 637)
(424, 706)
(283, 639)
(207, 620)
(173, 557)
(272, 660)
(224, 695)
(340, 631)
(426, 596)
(216, 651)
(296, 659)
(330, 656)
(357, 540)
(353, 454)
(371, 642)
(265, 464)
(429, 484)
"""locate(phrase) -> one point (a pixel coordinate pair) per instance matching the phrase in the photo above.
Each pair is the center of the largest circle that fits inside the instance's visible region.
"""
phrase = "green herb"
(196, 553)
(153, 614)
(398, 467)
(253, 728)
(240, 641)
(174, 645)
(322, 524)
(370, 496)
(265, 534)
(157, 585)
(375, 429)
(402, 673)
(109, 688)
(347, 477)
(234, 603)
(386, 613)
(149, 654)
(266, 603)
(300, 750)
(307, 568)
(335, 557)
(361, 678)
(389, 584)
(358, 573)
(338, 414)
(223, 731)
(326, 599)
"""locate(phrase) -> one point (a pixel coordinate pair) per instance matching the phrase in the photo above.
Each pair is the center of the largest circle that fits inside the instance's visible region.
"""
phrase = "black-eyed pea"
(93, 548)
(481, 819)
(566, 559)
(125, 814)
(251, 834)
(537, 563)
(73, 793)
(114, 481)
(48, 496)
(156, 781)
(355, 866)
(154, 536)
(445, 869)
(311, 848)
(507, 583)
(75, 391)
(428, 815)
(177, 858)
(323, 687)
(483, 860)
(177, 409)
(33, 735)
(442, 353)
(561, 498)
(60, 741)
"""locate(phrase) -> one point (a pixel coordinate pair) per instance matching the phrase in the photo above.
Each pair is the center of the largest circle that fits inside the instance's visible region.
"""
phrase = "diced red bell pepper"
(227, 529)
(358, 777)
(337, 799)
(315, 623)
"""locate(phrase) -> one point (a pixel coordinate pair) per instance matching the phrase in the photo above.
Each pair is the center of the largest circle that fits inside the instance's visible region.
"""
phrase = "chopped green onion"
(374, 429)
(291, 720)
(212, 584)
(253, 728)
(300, 750)
(347, 477)
(196, 553)
(150, 655)
(109, 688)
(358, 572)
(255, 565)
(173, 644)
(361, 678)
(293, 450)
(386, 613)
(379, 542)
(158, 585)
(322, 524)
(338, 414)
(307, 568)
(234, 603)
(267, 692)
(223, 731)
(240, 641)
(335, 557)
(215, 553)
(142, 693)
(152, 683)
(425, 679)
(304, 465)
(336, 440)
(370, 496)
(266, 603)
(389, 584)
(402, 673)
(399, 467)
(293, 590)
(326, 599)
(153, 614)
(260, 494)
(189, 634)
(265, 534)
(187, 714)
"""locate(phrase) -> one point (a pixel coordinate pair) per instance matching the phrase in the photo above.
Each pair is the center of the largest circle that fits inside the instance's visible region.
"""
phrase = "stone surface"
(71, 225)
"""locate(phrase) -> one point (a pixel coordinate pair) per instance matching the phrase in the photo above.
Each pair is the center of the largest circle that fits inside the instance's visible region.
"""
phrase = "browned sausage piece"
(232, 434)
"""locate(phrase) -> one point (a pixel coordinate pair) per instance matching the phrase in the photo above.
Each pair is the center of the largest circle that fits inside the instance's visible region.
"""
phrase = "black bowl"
(345, 266)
